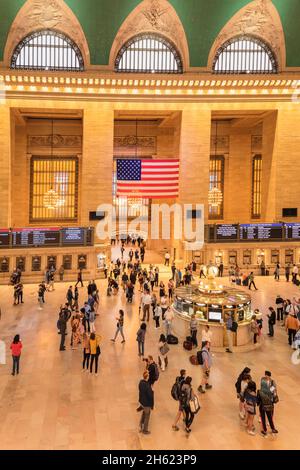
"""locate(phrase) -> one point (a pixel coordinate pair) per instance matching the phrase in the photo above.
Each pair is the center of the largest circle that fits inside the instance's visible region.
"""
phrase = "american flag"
(149, 179)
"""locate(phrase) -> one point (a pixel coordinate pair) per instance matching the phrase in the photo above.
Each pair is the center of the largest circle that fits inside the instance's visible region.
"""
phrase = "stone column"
(5, 166)
(97, 159)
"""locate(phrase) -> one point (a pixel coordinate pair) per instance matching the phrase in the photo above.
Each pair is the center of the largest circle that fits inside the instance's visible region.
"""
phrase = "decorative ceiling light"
(215, 197)
(51, 199)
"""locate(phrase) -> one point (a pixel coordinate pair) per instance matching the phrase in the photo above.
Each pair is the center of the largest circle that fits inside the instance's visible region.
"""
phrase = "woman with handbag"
(163, 350)
(254, 328)
(186, 397)
(95, 352)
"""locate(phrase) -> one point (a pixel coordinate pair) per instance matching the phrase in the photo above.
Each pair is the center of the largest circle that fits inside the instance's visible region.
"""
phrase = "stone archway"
(261, 19)
(153, 16)
(38, 14)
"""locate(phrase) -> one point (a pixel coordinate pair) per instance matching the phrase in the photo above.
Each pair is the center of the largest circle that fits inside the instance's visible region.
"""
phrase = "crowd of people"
(143, 284)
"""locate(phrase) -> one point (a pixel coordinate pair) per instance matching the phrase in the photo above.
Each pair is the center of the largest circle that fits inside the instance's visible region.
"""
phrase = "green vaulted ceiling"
(202, 20)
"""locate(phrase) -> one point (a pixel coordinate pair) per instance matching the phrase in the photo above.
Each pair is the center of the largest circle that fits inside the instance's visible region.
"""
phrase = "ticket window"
(232, 258)
(82, 262)
(247, 258)
(21, 263)
(275, 257)
(4, 265)
(67, 262)
(52, 262)
(289, 257)
(36, 263)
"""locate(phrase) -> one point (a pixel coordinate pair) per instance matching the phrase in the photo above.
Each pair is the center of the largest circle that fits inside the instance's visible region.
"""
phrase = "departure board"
(35, 237)
(4, 238)
(261, 232)
(292, 231)
(227, 232)
(73, 236)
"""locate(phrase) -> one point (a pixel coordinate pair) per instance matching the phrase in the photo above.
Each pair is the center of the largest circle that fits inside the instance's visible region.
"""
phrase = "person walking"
(240, 386)
(167, 258)
(228, 326)
(86, 352)
(61, 273)
(120, 325)
(145, 305)
(279, 305)
(221, 270)
(206, 336)
(171, 289)
(277, 272)
(146, 400)
(251, 281)
(169, 317)
(76, 299)
(287, 272)
(79, 278)
(266, 398)
(178, 384)
(64, 317)
(295, 272)
(70, 297)
(157, 315)
(152, 369)
(206, 367)
(254, 329)
(156, 276)
(292, 326)
(194, 330)
(250, 397)
(16, 349)
(271, 321)
(140, 337)
(75, 327)
(163, 350)
(187, 394)
(92, 317)
(95, 352)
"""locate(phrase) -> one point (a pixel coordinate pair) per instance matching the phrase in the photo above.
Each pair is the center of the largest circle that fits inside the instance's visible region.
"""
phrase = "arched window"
(245, 54)
(148, 53)
(47, 50)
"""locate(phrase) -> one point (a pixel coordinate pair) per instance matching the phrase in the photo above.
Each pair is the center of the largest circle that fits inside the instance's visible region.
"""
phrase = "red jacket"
(16, 348)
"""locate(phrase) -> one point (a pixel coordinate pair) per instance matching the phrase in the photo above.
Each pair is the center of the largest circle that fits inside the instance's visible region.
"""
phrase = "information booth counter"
(212, 303)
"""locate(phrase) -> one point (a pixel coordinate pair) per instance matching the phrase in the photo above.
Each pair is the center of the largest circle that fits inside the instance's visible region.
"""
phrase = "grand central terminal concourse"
(149, 225)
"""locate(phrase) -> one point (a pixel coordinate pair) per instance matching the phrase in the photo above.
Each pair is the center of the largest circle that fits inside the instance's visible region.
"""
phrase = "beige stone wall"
(5, 166)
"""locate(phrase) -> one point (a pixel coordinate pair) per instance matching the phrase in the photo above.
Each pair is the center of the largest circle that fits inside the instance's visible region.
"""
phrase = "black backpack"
(156, 372)
(176, 389)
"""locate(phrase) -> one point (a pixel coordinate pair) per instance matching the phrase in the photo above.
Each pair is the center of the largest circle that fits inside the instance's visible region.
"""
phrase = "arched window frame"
(172, 48)
(263, 44)
(26, 40)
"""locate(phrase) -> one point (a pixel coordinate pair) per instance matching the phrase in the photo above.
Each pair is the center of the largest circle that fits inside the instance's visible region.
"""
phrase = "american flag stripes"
(148, 179)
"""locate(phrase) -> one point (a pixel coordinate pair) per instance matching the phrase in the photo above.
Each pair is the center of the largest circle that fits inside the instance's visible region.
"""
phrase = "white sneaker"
(252, 433)
(241, 415)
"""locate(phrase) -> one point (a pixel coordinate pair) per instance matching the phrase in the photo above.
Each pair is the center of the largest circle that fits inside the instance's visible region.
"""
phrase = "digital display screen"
(4, 238)
(227, 232)
(35, 237)
(73, 236)
(214, 315)
(292, 231)
(250, 232)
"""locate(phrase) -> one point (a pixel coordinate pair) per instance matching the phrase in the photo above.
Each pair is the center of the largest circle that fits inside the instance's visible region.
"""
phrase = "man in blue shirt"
(229, 332)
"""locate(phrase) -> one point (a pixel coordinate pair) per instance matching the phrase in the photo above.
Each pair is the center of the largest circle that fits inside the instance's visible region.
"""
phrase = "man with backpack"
(146, 400)
(176, 394)
(153, 371)
(205, 360)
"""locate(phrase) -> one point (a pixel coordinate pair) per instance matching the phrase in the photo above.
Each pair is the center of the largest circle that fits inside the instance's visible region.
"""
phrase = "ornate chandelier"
(215, 197)
(51, 200)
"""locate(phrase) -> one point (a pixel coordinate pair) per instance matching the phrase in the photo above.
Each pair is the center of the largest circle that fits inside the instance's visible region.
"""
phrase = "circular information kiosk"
(212, 303)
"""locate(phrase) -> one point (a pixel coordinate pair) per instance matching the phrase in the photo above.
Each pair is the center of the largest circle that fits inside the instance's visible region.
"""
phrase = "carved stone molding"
(153, 16)
(221, 143)
(259, 18)
(38, 14)
(131, 145)
(59, 141)
(257, 143)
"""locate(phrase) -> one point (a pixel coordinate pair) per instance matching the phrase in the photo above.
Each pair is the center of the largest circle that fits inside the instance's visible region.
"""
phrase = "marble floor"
(53, 405)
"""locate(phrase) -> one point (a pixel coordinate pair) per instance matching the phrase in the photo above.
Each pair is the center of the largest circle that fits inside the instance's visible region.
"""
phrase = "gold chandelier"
(51, 199)
(215, 197)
